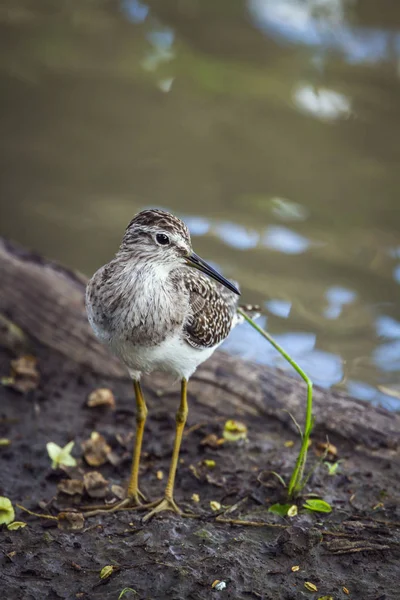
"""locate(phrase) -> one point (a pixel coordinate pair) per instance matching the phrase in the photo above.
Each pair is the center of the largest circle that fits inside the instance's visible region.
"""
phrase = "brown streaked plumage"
(156, 310)
(213, 311)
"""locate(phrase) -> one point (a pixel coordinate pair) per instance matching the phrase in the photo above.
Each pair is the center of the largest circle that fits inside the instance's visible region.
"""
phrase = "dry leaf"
(211, 464)
(326, 448)
(160, 475)
(118, 491)
(71, 487)
(195, 472)
(289, 444)
(24, 375)
(212, 440)
(114, 458)
(295, 568)
(96, 450)
(345, 590)
(101, 397)
(195, 498)
(5, 442)
(95, 484)
(70, 521)
(214, 505)
(292, 511)
(125, 440)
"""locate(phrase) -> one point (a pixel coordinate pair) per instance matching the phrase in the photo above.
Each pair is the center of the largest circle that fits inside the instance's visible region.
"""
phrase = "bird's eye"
(162, 239)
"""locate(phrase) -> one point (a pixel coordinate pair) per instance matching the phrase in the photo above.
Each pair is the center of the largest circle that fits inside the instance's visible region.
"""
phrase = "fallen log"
(46, 301)
(42, 313)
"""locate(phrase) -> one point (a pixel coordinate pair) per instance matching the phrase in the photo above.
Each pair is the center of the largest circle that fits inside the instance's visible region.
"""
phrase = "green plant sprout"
(61, 456)
(297, 480)
(317, 505)
(333, 467)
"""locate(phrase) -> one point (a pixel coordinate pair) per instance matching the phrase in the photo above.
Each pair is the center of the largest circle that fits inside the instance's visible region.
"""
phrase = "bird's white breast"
(173, 355)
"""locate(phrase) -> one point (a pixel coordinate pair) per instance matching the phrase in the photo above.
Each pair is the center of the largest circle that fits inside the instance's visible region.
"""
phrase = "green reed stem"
(296, 480)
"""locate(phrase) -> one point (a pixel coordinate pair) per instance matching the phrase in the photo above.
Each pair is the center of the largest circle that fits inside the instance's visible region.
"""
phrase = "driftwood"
(46, 301)
(42, 313)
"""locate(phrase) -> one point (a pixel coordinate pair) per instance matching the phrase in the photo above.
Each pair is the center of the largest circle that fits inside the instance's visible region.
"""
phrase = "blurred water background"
(271, 126)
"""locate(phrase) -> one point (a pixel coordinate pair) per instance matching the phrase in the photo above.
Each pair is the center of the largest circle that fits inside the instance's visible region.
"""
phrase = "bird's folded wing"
(213, 309)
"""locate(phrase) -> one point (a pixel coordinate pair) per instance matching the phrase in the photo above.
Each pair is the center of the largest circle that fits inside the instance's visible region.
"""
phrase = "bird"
(158, 306)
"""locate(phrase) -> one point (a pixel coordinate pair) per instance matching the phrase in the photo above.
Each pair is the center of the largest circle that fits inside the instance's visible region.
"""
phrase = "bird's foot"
(132, 502)
(166, 503)
(136, 498)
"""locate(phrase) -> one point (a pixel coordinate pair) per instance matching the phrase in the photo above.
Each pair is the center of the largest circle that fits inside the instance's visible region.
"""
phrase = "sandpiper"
(159, 306)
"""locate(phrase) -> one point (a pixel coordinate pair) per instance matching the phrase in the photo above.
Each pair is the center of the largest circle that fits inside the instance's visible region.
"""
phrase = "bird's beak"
(198, 263)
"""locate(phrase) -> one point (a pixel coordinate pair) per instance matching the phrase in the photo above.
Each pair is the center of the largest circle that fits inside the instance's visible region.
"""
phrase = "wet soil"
(353, 552)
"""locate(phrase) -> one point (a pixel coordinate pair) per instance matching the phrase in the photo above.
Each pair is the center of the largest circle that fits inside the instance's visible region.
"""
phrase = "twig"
(250, 523)
(34, 514)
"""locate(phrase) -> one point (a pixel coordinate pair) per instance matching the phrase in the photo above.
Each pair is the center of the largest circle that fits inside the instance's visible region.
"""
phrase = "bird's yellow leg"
(134, 494)
(141, 413)
(168, 503)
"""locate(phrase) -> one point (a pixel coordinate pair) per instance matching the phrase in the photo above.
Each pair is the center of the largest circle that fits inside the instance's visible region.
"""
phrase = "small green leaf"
(7, 513)
(106, 571)
(311, 587)
(61, 456)
(234, 431)
(280, 509)
(125, 591)
(317, 505)
(16, 525)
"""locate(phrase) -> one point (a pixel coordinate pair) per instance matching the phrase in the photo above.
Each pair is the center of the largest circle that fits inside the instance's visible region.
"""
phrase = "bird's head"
(159, 238)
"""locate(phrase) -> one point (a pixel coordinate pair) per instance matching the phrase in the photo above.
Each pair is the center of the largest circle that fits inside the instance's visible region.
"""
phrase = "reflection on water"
(337, 297)
(271, 127)
(285, 240)
(321, 102)
(324, 24)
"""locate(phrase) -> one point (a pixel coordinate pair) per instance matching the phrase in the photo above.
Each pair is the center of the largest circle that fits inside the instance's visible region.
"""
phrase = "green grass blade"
(296, 480)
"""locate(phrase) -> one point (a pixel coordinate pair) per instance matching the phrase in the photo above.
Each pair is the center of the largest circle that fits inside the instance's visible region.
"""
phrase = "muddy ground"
(352, 552)
(356, 547)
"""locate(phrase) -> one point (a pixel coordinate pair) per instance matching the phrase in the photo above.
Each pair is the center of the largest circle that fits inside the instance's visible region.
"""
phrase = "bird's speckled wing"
(213, 310)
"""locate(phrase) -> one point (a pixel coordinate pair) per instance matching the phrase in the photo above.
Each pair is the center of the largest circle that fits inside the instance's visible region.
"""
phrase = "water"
(271, 127)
